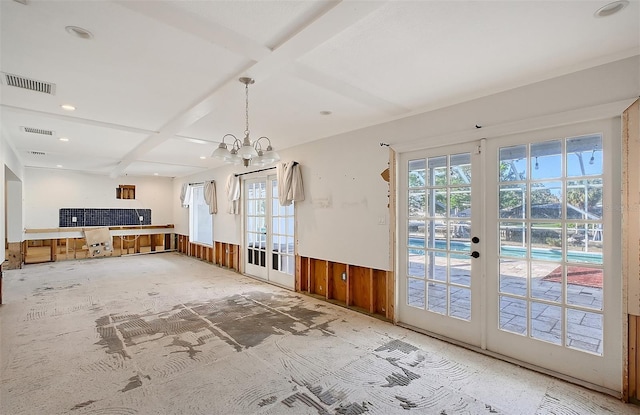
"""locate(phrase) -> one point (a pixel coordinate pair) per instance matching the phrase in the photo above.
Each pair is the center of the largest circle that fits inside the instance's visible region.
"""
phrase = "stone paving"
(584, 329)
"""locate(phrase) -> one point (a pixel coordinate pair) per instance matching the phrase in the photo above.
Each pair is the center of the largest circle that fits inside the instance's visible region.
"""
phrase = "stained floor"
(167, 334)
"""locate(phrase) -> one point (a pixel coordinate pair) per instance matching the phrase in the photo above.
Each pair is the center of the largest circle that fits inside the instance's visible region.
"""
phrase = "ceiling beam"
(318, 30)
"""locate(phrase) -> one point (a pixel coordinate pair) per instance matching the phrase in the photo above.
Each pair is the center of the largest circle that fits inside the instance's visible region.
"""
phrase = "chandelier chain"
(246, 112)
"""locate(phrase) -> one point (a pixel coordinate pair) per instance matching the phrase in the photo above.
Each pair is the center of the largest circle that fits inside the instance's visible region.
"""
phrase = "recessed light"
(203, 157)
(325, 112)
(68, 107)
(611, 8)
(155, 174)
(65, 139)
(79, 32)
(59, 166)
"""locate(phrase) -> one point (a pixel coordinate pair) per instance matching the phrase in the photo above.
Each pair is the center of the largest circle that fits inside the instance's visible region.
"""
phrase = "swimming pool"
(417, 244)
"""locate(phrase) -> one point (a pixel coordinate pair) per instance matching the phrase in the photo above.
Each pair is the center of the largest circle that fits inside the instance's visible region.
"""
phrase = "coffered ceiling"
(156, 85)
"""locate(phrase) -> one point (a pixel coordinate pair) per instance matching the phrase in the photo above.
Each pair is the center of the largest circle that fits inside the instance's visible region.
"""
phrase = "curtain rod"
(295, 163)
(197, 183)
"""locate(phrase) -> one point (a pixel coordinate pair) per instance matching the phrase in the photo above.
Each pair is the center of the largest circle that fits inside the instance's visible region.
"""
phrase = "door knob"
(475, 254)
(475, 239)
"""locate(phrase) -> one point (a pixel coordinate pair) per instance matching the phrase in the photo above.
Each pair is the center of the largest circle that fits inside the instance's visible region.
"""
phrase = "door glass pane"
(513, 240)
(513, 276)
(546, 200)
(546, 160)
(584, 331)
(437, 294)
(460, 270)
(513, 163)
(513, 315)
(546, 322)
(546, 241)
(584, 286)
(546, 281)
(584, 156)
(460, 300)
(416, 293)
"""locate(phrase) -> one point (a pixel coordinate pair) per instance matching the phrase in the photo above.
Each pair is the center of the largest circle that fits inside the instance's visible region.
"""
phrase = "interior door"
(440, 245)
(269, 233)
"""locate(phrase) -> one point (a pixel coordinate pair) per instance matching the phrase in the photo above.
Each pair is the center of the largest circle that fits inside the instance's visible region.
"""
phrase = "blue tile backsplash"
(103, 217)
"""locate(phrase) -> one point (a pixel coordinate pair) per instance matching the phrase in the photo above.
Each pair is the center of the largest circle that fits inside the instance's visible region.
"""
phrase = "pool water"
(416, 246)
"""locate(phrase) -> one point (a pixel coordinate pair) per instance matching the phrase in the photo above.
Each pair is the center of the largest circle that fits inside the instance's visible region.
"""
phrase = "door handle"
(475, 254)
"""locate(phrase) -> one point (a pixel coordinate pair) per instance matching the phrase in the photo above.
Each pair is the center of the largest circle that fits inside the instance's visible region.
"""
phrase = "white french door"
(546, 287)
(269, 233)
(440, 245)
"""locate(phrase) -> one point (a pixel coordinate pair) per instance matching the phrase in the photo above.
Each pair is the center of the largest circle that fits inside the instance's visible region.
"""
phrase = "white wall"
(48, 190)
(9, 160)
(345, 195)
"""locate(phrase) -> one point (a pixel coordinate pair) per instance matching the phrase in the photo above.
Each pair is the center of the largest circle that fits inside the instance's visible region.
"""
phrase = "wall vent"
(37, 131)
(30, 84)
(36, 153)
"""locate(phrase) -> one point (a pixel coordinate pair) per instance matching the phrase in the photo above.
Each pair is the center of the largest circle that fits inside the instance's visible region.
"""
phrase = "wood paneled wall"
(221, 253)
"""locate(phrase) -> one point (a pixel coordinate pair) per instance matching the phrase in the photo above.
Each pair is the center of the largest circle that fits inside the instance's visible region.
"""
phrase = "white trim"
(544, 122)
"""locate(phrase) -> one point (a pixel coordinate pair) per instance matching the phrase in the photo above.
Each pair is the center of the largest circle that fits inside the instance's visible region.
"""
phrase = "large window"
(200, 225)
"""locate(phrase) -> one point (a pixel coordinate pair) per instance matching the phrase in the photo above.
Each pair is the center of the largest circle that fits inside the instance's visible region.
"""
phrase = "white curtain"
(185, 195)
(210, 196)
(290, 187)
(233, 194)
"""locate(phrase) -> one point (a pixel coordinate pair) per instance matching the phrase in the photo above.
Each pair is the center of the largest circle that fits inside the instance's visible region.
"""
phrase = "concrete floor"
(167, 334)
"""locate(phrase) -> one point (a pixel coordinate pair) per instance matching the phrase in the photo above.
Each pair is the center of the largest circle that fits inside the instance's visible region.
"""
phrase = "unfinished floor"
(167, 334)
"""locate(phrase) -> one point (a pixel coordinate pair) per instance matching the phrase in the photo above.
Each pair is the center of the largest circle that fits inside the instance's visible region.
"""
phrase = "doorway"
(269, 233)
(507, 246)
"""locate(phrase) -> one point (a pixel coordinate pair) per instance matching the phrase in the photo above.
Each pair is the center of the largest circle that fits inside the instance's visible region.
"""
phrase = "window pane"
(416, 293)
(546, 241)
(513, 315)
(546, 200)
(513, 277)
(437, 298)
(584, 286)
(200, 223)
(584, 243)
(438, 171)
(417, 203)
(546, 160)
(546, 281)
(513, 239)
(513, 163)
(460, 302)
(584, 331)
(415, 267)
(584, 156)
(417, 173)
(584, 199)
(546, 322)
(512, 201)
(460, 169)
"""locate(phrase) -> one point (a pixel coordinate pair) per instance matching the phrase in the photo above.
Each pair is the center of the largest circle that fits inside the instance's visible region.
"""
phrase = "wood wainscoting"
(221, 253)
(363, 289)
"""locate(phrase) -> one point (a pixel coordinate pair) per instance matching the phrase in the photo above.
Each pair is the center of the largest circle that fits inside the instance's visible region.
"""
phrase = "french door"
(440, 242)
(545, 287)
(269, 233)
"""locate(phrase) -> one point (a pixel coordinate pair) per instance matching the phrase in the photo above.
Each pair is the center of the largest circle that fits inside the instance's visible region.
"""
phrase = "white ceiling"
(158, 74)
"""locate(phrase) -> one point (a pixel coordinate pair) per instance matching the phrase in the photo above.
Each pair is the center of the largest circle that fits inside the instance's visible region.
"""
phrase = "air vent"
(36, 153)
(37, 131)
(30, 84)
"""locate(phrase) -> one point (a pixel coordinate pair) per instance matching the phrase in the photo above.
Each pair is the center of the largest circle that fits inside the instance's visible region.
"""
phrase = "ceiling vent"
(37, 131)
(36, 153)
(30, 84)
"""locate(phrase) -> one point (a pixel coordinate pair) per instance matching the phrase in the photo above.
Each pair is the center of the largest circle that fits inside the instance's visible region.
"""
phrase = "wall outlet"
(344, 276)
(74, 219)
(382, 220)
(141, 218)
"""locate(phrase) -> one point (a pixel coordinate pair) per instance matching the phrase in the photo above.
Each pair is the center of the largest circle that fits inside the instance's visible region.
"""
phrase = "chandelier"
(245, 151)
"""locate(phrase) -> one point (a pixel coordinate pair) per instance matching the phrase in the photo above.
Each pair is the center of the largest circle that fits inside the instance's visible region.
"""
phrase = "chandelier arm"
(228, 135)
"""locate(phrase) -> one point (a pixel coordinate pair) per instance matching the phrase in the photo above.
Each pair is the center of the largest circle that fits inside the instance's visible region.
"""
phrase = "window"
(200, 224)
